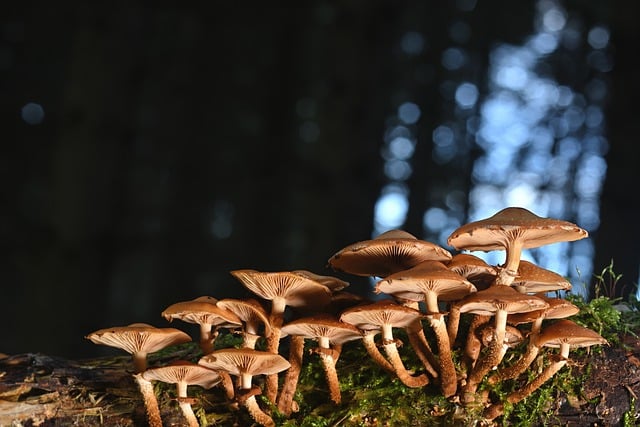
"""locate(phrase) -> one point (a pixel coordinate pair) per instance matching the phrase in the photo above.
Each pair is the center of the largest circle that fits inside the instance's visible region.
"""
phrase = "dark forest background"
(170, 152)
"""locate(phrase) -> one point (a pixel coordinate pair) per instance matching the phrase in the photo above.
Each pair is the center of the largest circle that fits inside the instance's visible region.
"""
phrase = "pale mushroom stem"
(525, 360)
(150, 401)
(273, 344)
(296, 351)
(368, 340)
(185, 406)
(207, 338)
(497, 409)
(139, 362)
(509, 270)
(491, 359)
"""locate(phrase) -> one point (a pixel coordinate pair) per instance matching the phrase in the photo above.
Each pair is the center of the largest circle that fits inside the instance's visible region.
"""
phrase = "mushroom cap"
(201, 311)
(238, 361)
(139, 337)
(388, 253)
(427, 276)
(488, 301)
(248, 310)
(559, 308)
(333, 283)
(296, 289)
(512, 336)
(384, 312)
(494, 232)
(323, 326)
(182, 371)
(473, 268)
(565, 331)
(535, 279)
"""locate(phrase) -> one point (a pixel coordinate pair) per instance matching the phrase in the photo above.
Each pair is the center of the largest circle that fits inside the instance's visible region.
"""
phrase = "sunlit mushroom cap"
(427, 276)
(568, 332)
(534, 279)
(296, 289)
(473, 268)
(182, 371)
(323, 326)
(384, 312)
(512, 336)
(488, 301)
(249, 311)
(559, 308)
(139, 337)
(201, 311)
(333, 283)
(238, 361)
(492, 233)
(388, 253)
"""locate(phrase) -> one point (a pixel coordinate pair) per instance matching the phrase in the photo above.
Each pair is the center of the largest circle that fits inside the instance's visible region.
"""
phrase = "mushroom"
(383, 316)
(252, 314)
(204, 312)
(532, 279)
(183, 373)
(559, 308)
(512, 337)
(330, 333)
(245, 363)
(390, 252)
(284, 288)
(333, 283)
(513, 229)
(149, 400)
(139, 339)
(431, 282)
(563, 334)
(499, 302)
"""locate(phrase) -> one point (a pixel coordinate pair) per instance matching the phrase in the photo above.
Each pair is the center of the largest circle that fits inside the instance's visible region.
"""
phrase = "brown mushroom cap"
(388, 253)
(184, 372)
(487, 301)
(139, 339)
(473, 268)
(239, 361)
(380, 315)
(201, 311)
(491, 233)
(558, 308)
(534, 279)
(429, 281)
(249, 311)
(326, 329)
(565, 331)
(333, 283)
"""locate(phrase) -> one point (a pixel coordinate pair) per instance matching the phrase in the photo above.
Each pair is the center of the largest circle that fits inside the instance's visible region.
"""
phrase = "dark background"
(170, 149)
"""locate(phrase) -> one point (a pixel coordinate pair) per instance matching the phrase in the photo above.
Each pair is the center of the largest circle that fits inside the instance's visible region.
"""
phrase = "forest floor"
(38, 390)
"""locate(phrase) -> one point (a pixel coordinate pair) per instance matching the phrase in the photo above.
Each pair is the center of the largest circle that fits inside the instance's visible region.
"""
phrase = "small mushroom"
(183, 374)
(532, 279)
(204, 312)
(563, 334)
(383, 316)
(388, 253)
(245, 363)
(253, 316)
(330, 333)
(139, 339)
(513, 229)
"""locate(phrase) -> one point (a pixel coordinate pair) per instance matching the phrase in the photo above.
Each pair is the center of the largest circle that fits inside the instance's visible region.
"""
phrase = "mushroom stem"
(525, 360)
(329, 365)
(419, 343)
(273, 344)
(509, 270)
(207, 338)
(453, 322)
(139, 361)
(285, 399)
(150, 401)
(473, 344)
(497, 409)
(368, 340)
(258, 414)
(448, 377)
(185, 405)
(391, 349)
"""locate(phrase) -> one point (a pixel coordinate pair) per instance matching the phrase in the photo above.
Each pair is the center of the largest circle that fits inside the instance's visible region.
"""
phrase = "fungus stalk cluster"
(422, 289)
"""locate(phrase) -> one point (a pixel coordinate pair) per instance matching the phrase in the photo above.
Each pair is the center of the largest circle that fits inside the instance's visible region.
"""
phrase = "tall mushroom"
(330, 333)
(183, 374)
(245, 363)
(563, 334)
(432, 282)
(513, 229)
(383, 316)
(390, 252)
(283, 289)
(204, 312)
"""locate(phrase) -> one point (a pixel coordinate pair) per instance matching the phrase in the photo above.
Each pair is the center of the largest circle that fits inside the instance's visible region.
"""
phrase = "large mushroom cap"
(565, 331)
(426, 277)
(381, 313)
(488, 301)
(297, 290)
(182, 371)
(492, 233)
(388, 253)
(323, 327)
(239, 361)
(139, 337)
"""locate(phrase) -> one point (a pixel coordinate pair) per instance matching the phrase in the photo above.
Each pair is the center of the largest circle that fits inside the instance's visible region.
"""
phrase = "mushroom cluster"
(461, 316)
